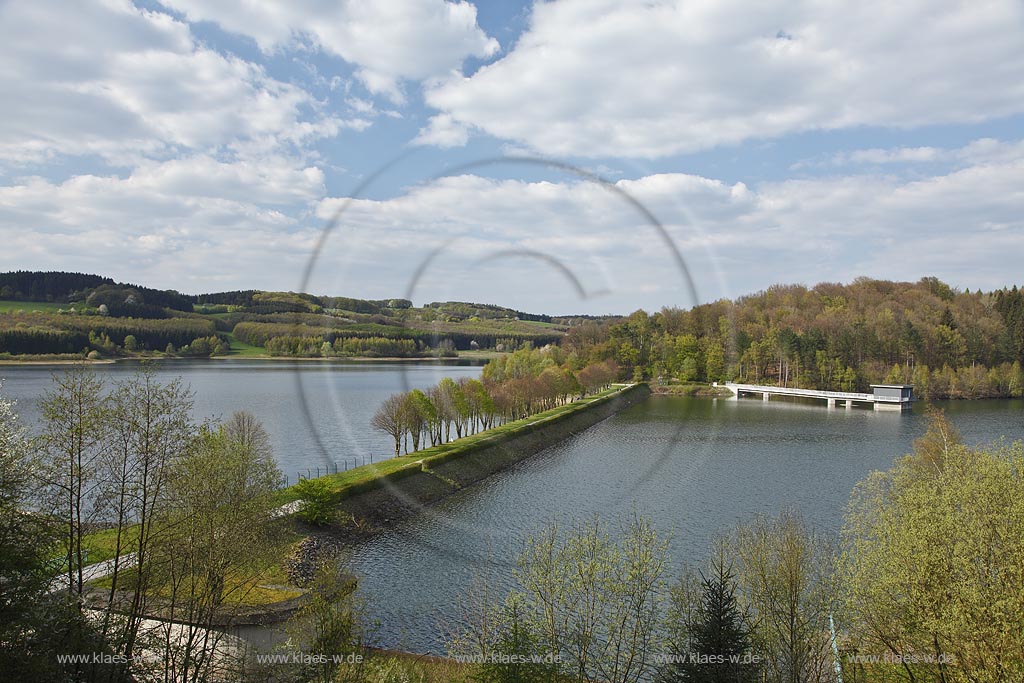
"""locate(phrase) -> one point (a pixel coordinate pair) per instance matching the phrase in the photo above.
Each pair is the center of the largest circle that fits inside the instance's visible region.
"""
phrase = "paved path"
(97, 570)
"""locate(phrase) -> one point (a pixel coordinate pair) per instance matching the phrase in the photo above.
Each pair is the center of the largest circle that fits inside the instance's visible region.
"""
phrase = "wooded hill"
(832, 336)
(948, 343)
(74, 315)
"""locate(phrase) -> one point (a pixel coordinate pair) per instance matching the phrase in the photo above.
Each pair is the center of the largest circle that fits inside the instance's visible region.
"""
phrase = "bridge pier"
(764, 396)
(849, 404)
(831, 403)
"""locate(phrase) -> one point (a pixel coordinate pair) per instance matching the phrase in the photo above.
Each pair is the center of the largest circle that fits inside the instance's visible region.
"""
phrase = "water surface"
(317, 413)
(696, 466)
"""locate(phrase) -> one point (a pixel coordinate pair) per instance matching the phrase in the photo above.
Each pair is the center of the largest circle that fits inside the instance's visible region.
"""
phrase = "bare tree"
(593, 600)
(246, 432)
(786, 572)
(221, 537)
(389, 419)
(149, 428)
(73, 444)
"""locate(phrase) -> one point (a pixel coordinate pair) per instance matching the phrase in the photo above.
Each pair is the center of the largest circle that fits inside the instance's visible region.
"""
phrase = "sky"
(567, 156)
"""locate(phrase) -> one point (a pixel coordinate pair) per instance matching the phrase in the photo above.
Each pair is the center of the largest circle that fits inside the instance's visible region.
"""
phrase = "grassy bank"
(30, 306)
(481, 354)
(393, 665)
(47, 359)
(240, 349)
(368, 477)
(101, 545)
(269, 587)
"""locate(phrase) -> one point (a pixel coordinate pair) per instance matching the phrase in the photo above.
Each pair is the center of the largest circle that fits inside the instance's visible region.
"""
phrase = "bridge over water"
(882, 397)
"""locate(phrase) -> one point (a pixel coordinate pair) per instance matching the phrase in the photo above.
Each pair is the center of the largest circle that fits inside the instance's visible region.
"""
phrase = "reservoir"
(317, 413)
(695, 466)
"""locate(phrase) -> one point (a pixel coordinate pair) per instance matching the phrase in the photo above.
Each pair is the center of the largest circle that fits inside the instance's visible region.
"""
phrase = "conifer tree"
(714, 645)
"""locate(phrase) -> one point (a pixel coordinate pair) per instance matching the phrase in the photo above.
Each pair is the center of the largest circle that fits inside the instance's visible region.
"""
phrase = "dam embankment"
(434, 473)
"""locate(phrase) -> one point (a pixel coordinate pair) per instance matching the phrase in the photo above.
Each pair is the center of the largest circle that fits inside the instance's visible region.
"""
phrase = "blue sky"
(205, 145)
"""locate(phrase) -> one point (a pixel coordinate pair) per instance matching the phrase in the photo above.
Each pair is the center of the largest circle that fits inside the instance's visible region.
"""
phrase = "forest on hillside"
(57, 315)
(948, 343)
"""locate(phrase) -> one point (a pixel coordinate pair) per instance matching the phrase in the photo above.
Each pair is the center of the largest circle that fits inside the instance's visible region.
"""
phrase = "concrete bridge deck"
(892, 397)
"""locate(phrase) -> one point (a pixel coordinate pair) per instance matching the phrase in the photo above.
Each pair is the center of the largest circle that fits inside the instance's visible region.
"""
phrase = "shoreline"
(384, 498)
(13, 362)
(403, 486)
(350, 359)
(692, 389)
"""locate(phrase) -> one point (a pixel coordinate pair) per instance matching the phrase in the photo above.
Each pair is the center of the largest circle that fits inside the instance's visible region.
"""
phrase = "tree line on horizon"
(948, 343)
(68, 287)
(94, 315)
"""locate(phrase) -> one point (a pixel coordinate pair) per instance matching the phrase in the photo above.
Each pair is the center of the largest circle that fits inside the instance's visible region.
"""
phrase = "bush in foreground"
(317, 501)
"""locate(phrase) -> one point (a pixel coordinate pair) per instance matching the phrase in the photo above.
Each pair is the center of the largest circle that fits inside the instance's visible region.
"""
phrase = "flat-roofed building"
(897, 396)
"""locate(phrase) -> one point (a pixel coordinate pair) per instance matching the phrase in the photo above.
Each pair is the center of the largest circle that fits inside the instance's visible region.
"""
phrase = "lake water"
(317, 413)
(696, 466)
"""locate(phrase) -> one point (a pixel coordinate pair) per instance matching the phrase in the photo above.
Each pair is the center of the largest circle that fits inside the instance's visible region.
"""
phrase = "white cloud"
(443, 131)
(990, 150)
(199, 224)
(272, 181)
(982, 151)
(901, 155)
(389, 41)
(122, 83)
(735, 239)
(649, 79)
(196, 192)
(190, 223)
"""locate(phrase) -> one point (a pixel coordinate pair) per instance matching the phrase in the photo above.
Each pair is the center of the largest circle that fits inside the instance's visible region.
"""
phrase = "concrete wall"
(396, 498)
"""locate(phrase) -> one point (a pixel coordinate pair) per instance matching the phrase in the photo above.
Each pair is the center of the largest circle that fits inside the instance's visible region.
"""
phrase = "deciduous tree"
(934, 564)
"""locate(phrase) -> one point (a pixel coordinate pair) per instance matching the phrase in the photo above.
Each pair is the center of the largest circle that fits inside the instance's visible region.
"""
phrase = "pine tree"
(716, 640)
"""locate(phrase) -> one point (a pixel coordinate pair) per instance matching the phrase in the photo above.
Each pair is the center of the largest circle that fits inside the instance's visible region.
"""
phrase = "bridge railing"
(855, 396)
(815, 393)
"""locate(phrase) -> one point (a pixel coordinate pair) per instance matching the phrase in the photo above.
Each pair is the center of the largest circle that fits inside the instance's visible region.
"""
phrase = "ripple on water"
(696, 466)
